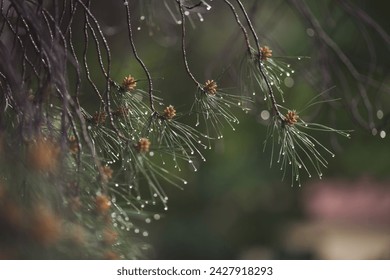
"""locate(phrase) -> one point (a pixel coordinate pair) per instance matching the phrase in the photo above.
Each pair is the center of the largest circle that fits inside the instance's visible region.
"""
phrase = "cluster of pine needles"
(77, 178)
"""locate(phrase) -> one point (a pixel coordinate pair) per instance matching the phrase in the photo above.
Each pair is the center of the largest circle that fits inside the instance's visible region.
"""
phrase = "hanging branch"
(242, 27)
(305, 11)
(183, 44)
(271, 95)
(134, 49)
(107, 72)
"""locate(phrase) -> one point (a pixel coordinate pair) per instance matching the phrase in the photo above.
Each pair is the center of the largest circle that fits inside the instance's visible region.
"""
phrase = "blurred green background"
(236, 206)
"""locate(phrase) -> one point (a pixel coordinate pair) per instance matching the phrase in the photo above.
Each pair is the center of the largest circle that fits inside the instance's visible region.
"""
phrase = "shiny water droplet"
(379, 114)
(156, 217)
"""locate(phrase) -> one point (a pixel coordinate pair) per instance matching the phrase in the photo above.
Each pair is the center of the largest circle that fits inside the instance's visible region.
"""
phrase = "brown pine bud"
(291, 117)
(103, 203)
(99, 117)
(170, 112)
(129, 83)
(143, 145)
(43, 155)
(266, 53)
(210, 87)
(106, 173)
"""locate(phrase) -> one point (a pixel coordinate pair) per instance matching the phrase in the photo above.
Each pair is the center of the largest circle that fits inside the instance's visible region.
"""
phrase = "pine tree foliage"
(75, 177)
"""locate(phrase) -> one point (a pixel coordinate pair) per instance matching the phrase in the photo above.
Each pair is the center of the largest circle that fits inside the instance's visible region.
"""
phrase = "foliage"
(84, 152)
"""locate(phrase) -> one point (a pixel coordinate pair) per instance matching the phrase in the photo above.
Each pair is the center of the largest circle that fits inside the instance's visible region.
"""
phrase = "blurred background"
(236, 206)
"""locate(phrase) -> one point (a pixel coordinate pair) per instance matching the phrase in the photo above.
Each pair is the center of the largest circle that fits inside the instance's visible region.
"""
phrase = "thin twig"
(147, 73)
(183, 46)
(241, 25)
(260, 65)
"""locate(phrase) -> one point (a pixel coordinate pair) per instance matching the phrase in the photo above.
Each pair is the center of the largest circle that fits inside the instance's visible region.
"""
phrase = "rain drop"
(310, 32)
(379, 114)
(156, 217)
(265, 115)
